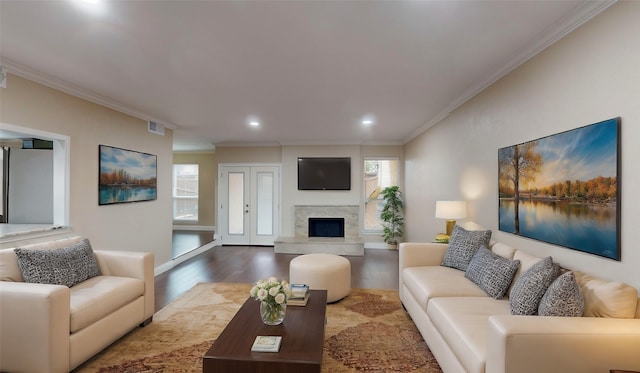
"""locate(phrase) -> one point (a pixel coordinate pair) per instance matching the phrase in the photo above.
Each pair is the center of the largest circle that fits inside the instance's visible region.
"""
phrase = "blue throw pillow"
(563, 298)
(530, 287)
(66, 266)
(463, 246)
(491, 272)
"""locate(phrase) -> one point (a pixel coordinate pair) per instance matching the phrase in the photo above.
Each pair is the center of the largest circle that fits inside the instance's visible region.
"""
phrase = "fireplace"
(350, 214)
(338, 231)
(326, 227)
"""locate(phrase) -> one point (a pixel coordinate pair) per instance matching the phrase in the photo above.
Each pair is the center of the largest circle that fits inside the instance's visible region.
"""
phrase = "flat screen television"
(324, 173)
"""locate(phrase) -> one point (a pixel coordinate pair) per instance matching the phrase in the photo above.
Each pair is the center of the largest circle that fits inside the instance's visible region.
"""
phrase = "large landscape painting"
(126, 176)
(563, 189)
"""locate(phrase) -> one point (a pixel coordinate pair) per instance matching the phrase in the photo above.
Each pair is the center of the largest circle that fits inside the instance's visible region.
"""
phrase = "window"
(185, 192)
(378, 174)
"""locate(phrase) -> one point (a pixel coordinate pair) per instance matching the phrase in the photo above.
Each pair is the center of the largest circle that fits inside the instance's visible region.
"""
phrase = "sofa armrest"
(34, 319)
(131, 264)
(561, 344)
(418, 254)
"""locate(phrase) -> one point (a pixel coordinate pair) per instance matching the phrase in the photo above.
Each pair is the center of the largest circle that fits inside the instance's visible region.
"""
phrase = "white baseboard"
(174, 262)
(210, 228)
(163, 268)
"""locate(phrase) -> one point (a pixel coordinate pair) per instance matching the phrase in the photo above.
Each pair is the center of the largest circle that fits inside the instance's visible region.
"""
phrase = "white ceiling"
(308, 70)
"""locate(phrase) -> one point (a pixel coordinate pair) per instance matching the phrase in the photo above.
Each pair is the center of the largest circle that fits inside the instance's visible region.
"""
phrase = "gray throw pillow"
(530, 287)
(66, 266)
(563, 298)
(463, 245)
(491, 272)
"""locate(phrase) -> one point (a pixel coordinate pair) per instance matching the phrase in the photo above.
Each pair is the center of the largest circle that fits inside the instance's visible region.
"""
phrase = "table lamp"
(451, 210)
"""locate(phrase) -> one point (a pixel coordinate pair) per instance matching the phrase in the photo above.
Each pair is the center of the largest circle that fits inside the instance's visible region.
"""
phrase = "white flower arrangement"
(271, 291)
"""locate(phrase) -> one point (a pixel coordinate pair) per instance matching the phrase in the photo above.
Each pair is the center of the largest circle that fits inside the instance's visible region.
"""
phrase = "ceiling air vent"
(156, 128)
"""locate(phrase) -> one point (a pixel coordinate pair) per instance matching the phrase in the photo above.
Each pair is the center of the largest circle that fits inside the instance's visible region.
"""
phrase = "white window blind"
(185, 191)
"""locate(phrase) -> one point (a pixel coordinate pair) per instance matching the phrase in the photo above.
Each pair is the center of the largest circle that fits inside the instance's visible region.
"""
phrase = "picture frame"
(126, 176)
(564, 189)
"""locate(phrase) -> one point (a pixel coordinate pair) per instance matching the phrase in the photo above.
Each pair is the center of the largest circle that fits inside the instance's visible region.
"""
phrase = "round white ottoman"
(322, 272)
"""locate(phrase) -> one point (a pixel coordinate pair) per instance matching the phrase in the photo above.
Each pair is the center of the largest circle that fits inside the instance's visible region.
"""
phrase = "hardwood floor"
(185, 241)
(377, 269)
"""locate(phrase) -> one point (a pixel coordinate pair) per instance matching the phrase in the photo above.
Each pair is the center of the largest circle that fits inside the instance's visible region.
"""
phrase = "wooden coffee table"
(302, 340)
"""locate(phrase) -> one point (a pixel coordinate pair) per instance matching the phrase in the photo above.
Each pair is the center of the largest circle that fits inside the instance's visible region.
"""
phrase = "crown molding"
(579, 16)
(66, 87)
(341, 143)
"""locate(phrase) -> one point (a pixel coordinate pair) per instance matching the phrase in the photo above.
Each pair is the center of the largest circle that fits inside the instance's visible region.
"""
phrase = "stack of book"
(441, 238)
(266, 343)
(299, 295)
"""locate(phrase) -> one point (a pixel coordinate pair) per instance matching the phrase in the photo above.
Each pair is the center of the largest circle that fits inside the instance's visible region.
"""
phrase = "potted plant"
(391, 215)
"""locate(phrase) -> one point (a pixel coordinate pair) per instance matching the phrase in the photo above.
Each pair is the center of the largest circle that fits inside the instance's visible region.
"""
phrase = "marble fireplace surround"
(350, 244)
(349, 213)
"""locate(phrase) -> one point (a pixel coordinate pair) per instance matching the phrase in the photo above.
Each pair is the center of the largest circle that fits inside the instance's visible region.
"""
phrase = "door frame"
(221, 221)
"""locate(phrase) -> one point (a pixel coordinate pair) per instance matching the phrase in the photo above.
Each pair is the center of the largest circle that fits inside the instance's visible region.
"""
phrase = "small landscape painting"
(564, 189)
(126, 176)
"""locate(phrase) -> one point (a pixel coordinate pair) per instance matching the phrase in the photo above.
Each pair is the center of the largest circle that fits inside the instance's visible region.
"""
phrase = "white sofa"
(54, 328)
(469, 331)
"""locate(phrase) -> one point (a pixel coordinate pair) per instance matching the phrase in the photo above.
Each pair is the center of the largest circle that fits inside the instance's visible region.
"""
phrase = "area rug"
(367, 331)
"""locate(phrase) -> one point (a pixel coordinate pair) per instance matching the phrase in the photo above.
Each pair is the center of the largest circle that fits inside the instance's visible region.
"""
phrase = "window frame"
(61, 180)
(176, 198)
(366, 195)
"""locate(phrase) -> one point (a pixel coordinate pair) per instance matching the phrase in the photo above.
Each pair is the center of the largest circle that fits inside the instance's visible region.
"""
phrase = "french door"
(249, 204)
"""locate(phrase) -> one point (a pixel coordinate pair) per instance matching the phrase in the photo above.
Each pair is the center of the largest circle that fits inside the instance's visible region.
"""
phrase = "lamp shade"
(451, 209)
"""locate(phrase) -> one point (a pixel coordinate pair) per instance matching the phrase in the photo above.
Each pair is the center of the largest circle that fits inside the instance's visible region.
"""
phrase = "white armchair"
(54, 328)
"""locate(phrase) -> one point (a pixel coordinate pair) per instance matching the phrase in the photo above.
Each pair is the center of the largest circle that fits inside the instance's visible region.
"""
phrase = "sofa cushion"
(9, 270)
(429, 282)
(462, 323)
(503, 250)
(66, 266)
(99, 296)
(491, 272)
(530, 287)
(606, 298)
(562, 298)
(463, 245)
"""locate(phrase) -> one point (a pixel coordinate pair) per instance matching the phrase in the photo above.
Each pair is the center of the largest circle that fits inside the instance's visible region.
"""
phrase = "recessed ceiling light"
(368, 120)
(252, 121)
(95, 7)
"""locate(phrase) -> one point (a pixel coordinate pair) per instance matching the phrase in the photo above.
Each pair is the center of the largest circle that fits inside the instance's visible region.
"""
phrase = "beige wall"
(142, 226)
(249, 154)
(207, 173)
(589, 76)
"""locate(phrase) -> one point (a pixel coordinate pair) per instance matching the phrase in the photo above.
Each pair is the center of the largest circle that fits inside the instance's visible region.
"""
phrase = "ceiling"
(308, 71)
